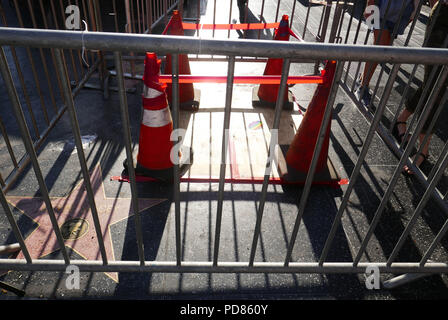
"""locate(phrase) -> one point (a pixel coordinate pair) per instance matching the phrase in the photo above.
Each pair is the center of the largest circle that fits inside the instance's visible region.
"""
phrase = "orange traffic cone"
(300, 152)
(188, 96)
(155, 145)
(267, 93)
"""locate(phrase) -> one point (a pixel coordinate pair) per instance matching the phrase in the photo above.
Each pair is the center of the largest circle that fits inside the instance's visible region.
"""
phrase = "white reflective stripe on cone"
(157, 118)
(150, 93)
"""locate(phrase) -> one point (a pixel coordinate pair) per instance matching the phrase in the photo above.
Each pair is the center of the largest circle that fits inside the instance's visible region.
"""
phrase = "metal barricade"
(342, 53)
(48, 88)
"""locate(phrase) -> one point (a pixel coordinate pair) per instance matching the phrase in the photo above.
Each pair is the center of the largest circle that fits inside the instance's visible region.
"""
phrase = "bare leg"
(369, 68)
(402, 118)
(419, 158)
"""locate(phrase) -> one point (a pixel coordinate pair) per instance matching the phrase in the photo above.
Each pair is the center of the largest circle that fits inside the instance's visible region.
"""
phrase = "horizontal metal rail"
(222, 267)
(176, 44)
(242, 79)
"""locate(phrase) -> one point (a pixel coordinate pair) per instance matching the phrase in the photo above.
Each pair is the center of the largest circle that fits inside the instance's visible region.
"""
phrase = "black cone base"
(166, 175)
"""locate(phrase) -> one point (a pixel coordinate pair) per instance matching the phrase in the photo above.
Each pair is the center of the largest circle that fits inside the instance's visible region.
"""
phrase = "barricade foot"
(259, 103)
(327, 175)
(192, 105)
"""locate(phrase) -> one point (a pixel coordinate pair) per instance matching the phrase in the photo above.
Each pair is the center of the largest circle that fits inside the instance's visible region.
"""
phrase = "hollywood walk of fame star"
(76, 221)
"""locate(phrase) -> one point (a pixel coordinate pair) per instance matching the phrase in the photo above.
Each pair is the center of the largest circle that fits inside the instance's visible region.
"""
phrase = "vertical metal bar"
(199, 14)
(320, 22)
(33, 68)
(138, 17)
(214, 17)
(224, 146)
(230, 17)
(14, 227)
(150, 14)
(129, 27)
(277, 116)
(277, 11)
(338, 36)
(130, 161)
(261, 17)
(86, 19)
(358, 28)
(42, 10)
(86, 16)
(43, 59)
(418, 210)
(350, 22)
(293, 11)
(132, 22)
(306, 21)
(176, 187)
(399, 167)
(338, 12)
(8, 143)
(180, 7)
(114, 5)
(246, 12)
(62, 70)
(359, 64)
(317, 149)
(356, 171)
(414, 22)
(98, 27)
(323, 29)
(97, 14)
(12, 93)
(75, 71)
(142, 5)
(326, 20)
(80, 62)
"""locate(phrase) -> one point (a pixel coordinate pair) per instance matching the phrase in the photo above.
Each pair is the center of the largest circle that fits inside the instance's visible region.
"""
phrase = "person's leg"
(382, 38)
(399, 128)
(242, 10)
(419, 158)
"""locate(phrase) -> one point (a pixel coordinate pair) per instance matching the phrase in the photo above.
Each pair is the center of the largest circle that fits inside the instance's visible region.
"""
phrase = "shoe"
(424, 160)
(362, 94)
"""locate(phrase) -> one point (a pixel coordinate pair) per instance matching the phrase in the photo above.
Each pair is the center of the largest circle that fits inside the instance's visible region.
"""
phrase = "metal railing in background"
(387, 122)
(43, 115)
(343, 53)
(86, 68)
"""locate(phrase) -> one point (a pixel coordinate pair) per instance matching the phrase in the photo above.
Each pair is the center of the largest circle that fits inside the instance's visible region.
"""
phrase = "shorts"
(393, 15)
